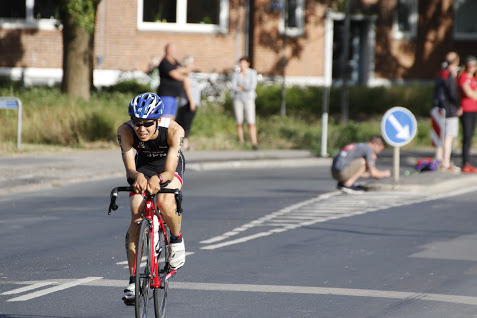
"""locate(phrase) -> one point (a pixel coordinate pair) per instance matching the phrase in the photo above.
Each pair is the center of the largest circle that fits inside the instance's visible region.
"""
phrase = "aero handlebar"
(114, 194)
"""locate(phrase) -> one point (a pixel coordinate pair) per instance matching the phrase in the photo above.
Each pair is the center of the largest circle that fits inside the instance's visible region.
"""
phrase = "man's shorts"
(452, 126)
(157, 167)
(170, 105)
(349, 171)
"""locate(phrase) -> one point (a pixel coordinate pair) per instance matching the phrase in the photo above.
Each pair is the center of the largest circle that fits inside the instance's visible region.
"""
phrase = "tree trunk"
(77, 57)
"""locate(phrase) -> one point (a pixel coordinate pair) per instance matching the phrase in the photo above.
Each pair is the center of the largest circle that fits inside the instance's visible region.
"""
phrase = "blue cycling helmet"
(146, 106)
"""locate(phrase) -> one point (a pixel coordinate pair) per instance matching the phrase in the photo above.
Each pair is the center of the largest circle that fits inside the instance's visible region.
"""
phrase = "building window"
(405, 19)
(465, 24)
(29, 14)
(293, 18)
(183, 15)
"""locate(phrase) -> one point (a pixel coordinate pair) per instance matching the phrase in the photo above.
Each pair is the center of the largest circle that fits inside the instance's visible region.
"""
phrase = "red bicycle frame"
(150, 210)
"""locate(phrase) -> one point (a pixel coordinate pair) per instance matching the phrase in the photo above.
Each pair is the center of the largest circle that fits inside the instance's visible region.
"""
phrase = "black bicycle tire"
(160, 294)
(143, 276)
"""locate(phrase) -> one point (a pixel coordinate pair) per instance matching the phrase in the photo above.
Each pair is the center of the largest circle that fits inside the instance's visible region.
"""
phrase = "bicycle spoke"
(143, 274)
(160, 294)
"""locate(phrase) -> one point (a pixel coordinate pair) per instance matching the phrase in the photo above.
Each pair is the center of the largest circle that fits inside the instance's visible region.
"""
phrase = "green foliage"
(82, 11)
(364, 102)
(127, 86)
(52, 118)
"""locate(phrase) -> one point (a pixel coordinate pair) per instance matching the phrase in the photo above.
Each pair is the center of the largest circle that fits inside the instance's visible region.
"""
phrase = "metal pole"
(19, 128)
(396, 159)
(247, 28)
(344, 64)
(283, 106)
(328, 66)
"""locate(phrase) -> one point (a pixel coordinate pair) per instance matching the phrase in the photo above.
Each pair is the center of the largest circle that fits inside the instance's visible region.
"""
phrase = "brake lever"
(112, 205)
(178, 197)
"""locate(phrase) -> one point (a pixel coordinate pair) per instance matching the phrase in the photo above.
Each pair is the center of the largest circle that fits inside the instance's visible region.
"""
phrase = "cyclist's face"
(144, 128)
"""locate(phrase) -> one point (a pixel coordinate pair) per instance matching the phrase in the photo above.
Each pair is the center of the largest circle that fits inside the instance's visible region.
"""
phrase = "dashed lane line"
(53, 289)
(326, 207)
(282, 289)
(27, 288)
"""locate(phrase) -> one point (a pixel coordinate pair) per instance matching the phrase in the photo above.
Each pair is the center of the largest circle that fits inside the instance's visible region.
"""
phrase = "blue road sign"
(14, 103)
(398, 126)
(6, 103)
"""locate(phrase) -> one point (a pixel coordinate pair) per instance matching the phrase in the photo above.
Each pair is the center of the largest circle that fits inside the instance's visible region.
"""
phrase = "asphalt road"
(264, 243)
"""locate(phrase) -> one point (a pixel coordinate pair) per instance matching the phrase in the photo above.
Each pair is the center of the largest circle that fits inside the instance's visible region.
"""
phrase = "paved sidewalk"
(28, 172)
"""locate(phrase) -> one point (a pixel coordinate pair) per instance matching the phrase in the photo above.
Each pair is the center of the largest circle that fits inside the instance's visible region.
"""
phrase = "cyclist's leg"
(167, 205)
(136, 203)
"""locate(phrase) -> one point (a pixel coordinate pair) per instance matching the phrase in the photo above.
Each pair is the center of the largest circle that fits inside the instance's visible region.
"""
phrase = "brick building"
(393, 40)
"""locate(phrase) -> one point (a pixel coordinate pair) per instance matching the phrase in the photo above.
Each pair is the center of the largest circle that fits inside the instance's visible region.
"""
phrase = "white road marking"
(326, 207)
(27, 288)
(54, 289)
(309, 290)
(467, 300)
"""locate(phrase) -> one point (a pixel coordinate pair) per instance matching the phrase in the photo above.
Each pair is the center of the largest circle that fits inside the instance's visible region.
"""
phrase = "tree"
(78, 17)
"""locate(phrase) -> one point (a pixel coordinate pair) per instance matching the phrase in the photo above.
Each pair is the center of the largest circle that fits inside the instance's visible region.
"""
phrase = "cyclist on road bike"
(151, 151)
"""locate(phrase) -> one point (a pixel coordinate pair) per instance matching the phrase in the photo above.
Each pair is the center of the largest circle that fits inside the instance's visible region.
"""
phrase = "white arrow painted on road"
(402, 132)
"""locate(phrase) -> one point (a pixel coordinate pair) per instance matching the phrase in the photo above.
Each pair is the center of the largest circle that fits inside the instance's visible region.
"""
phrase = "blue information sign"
(398, 126)
(14, 103)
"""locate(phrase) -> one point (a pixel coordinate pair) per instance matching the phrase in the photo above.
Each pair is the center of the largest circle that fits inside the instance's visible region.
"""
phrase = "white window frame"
(29, 22)
(181, 25)
(300, 16)
(413, 21)
(462, 35)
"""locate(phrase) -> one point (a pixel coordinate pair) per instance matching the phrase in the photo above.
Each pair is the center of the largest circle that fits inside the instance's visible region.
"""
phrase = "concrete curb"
(427, 182)
(50, 172)
(262, 163)
(36, 172)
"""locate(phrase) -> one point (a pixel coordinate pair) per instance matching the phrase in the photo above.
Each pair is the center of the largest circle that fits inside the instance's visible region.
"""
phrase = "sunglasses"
(138, 123)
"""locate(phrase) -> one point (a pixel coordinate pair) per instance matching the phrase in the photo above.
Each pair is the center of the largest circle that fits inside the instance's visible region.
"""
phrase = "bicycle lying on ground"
(151, 270)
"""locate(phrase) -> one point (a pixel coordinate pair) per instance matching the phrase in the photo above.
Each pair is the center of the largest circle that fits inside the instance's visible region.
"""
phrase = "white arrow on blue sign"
(398, 126)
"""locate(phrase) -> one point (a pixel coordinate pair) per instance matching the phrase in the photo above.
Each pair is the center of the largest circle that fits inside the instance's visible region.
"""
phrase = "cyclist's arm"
(175, 139)
(126, 139)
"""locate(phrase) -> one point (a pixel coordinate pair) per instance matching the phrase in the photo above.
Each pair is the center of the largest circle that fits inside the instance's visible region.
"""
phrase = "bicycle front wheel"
(160, 293)
(143, 270)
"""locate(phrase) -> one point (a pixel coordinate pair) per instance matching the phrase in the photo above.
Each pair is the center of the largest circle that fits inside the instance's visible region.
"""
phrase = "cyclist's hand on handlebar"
(140, 185)
(153, 185)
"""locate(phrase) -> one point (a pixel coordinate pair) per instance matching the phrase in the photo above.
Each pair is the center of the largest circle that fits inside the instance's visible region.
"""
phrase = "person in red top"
(468, 93)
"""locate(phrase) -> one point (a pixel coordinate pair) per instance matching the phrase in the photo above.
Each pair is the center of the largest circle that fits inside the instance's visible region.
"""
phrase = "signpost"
(398, 128)
(14, 103)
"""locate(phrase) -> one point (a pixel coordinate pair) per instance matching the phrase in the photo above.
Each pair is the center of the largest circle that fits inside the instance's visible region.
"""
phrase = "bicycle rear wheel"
(160, 294)
(143, 270)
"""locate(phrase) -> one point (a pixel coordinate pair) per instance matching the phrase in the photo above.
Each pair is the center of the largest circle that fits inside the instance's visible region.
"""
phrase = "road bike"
(151, 269)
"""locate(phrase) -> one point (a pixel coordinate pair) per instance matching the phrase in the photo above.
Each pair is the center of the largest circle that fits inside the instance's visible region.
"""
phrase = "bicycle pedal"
(129, 302)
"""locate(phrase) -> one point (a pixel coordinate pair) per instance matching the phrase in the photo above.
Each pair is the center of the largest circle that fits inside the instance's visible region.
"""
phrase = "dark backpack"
(427, 164)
